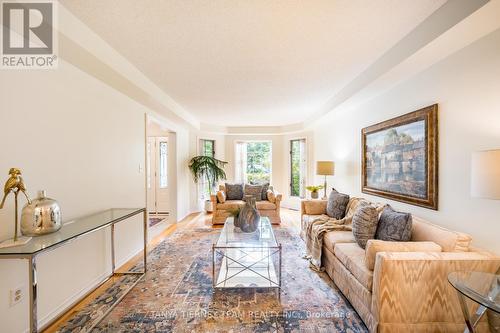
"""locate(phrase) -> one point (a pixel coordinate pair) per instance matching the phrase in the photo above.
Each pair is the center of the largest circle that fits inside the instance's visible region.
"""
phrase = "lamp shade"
(485, 174)
(325, 168)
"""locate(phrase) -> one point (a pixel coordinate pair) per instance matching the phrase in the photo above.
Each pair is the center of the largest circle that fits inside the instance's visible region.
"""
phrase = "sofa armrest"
(374, 246)
(312, 207)
(213, 198)
(277, 202)
(412, 287)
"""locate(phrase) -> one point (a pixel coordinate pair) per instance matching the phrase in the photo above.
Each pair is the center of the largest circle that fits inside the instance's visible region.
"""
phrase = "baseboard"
(70, 302)
(127, 258)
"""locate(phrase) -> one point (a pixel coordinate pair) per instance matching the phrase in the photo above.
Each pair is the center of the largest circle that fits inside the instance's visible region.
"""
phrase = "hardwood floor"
(290, 218)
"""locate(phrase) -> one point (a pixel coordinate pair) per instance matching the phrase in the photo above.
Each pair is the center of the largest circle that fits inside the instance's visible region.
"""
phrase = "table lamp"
(485, 174)
(325, 168)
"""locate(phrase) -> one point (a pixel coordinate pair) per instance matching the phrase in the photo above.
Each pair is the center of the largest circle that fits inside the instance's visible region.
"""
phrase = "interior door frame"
(172, 173)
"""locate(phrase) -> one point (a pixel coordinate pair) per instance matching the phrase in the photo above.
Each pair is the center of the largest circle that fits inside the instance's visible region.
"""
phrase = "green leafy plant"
(314, 188)
(209, 168)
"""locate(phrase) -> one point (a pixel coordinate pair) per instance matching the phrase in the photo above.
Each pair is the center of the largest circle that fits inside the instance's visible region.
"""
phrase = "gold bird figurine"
(14, 184)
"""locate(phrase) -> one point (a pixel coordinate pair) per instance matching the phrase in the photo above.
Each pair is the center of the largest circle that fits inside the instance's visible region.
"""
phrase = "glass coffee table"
(482, 288)
(246, 260)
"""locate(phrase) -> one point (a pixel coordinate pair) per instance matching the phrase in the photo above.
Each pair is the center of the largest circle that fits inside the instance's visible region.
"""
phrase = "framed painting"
(400, 158)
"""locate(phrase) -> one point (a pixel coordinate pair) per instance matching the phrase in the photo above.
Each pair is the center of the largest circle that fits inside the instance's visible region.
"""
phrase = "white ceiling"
(252, 63)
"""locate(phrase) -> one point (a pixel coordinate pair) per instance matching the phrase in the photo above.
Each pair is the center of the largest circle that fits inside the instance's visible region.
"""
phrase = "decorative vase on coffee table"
(249, 217)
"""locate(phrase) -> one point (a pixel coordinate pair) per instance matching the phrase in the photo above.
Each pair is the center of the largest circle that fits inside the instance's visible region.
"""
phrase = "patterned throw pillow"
(394, 226)
(364, 224)
(271, 196)
(254, 190)
(221, 197)
(234, 191)
(337, 204)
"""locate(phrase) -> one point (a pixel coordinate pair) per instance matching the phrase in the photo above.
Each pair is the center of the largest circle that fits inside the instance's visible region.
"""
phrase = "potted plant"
(314, 190)
(209, 168)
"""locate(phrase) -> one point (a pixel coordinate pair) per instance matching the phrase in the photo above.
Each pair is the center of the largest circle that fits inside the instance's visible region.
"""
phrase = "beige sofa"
(402, 286)
(265, 208)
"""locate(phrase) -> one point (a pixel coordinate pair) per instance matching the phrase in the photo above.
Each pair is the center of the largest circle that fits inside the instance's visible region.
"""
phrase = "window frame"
(203, 194)
(302, 185)
(243, 178)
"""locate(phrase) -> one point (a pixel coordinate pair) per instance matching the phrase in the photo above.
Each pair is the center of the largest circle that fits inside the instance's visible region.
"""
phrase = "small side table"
(482, 288)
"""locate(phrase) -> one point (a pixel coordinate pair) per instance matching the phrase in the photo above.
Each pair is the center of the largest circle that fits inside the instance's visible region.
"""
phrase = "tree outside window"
(254, 162)
(297, 167)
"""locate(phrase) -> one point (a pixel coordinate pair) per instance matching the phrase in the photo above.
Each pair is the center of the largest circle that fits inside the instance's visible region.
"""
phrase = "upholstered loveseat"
(402, 286)
(222, 210)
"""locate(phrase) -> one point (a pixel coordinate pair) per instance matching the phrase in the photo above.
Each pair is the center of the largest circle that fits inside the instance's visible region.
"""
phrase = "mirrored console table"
(72, 230)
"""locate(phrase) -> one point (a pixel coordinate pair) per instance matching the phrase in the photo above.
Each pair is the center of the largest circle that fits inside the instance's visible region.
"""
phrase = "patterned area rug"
(154, 219)
(176, 295)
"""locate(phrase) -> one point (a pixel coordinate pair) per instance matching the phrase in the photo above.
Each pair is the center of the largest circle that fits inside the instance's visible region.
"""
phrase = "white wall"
(84, 143)
(466, 86)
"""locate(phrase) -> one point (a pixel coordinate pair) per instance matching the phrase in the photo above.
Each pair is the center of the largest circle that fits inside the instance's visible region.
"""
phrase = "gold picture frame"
(400, 158)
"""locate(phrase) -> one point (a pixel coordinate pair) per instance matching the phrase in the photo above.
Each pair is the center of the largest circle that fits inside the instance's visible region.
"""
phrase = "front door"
(157, 181)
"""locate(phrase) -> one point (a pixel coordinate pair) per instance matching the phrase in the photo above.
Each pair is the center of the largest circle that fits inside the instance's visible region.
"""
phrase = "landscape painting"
(400, 158)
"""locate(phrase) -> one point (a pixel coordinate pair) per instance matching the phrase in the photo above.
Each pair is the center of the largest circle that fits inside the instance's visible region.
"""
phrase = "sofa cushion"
(234, 191)
(221, 196)
(375, 246)
(265, 205)
(364, 223)
(254, 191)
(337, 204)
(315, 207)
(450, 241)
(336, 237)
(230, 204)
(394, 226)
(352, 256)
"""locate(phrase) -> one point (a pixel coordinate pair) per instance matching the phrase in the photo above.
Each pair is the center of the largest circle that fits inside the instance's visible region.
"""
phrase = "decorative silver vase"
(249, 217)
(42, 216)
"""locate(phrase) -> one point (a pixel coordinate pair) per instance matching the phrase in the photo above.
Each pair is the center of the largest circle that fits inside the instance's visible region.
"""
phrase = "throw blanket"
(319, 227)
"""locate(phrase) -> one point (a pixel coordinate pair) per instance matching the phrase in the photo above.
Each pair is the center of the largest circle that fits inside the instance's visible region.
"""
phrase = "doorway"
(161, 184)
(157, 173)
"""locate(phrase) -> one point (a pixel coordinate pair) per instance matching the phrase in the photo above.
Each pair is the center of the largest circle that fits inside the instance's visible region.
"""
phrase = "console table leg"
(112, 249)
(33, 295)
(145, 229)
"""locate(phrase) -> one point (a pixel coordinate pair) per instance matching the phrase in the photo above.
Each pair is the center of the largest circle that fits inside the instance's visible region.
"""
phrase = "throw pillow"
(337, 204)
(265, 187)
(271, 196)
(234, 191)
(221, 197)
(254, 190)
(364, 224)
(394, 226)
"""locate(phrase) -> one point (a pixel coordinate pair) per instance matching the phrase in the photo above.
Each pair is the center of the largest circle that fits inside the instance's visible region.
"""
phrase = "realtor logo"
(28, 34)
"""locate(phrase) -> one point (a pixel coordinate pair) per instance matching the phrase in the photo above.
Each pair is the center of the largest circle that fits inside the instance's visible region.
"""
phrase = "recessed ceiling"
(252, 63)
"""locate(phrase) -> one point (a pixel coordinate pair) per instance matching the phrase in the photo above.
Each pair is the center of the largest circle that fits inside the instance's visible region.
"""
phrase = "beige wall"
(466, 86)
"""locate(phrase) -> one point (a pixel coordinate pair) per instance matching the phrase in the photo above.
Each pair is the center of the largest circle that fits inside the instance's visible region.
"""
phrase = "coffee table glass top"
(233, 237)
(484, 288)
